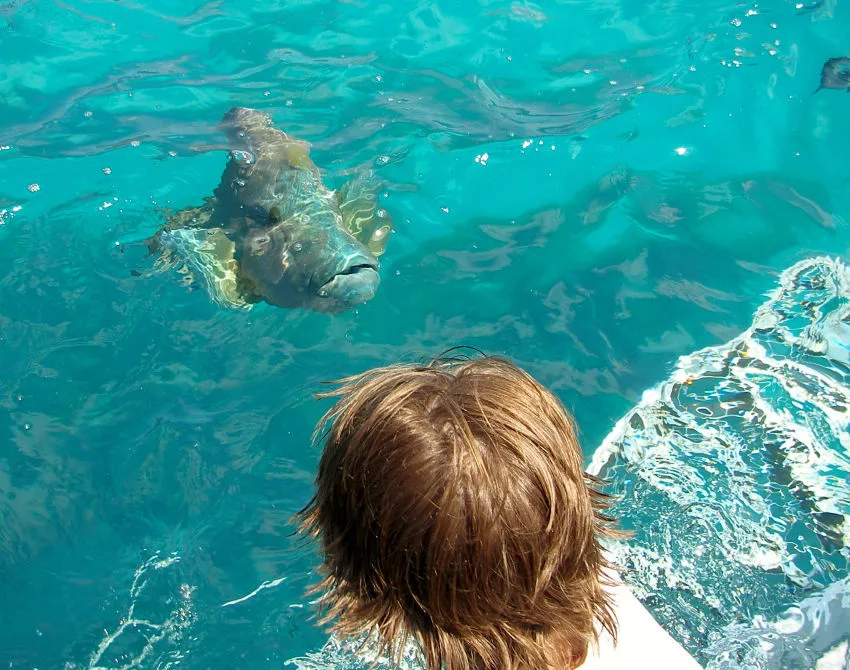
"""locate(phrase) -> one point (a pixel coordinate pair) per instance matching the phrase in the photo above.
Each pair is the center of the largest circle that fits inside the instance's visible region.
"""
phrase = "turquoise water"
(594, 189)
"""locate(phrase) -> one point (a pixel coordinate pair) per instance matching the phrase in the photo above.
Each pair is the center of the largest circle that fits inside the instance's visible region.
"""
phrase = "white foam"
(815, 633)
(161, 638)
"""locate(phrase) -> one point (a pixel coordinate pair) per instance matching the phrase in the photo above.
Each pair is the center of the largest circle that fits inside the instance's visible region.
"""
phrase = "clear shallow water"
(146, 432)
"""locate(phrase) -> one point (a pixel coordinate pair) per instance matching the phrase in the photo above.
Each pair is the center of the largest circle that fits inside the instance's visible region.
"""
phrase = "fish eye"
(275, 216)
(259, 244)
(242, 157)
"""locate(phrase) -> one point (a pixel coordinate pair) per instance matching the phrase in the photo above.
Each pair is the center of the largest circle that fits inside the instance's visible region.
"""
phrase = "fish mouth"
(353, 285)
(354, 269)
(359, 265)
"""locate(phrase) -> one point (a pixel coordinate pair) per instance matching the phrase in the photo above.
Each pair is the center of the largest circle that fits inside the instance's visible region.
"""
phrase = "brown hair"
(452, 506)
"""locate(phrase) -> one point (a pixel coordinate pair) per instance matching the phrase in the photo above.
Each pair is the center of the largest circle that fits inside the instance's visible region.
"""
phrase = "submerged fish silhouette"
(835, 74)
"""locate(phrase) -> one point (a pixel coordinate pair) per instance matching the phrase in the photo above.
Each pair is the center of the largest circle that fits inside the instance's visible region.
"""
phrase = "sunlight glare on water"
(594, 189)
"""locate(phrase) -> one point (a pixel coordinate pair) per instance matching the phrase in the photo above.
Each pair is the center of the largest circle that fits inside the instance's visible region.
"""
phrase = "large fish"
(273, 232)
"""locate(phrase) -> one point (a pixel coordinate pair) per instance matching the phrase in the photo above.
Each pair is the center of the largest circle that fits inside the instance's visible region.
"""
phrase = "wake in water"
(141, 641)
(736, 475)
(358, 654)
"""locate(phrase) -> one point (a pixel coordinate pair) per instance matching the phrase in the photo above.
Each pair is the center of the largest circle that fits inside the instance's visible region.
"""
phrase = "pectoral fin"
(362, 216)
(210, 256)
(191, 217)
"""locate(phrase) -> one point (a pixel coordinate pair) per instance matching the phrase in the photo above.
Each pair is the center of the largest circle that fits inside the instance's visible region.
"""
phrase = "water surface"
(594, 189)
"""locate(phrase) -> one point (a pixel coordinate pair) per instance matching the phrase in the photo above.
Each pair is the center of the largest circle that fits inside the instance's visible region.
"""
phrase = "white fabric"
(641, 641)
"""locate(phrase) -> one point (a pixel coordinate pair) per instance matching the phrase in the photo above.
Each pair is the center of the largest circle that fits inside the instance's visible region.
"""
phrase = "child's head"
(452, 505)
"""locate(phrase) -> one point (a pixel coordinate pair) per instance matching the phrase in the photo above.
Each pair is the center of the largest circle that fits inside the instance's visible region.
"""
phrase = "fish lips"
(353, 285)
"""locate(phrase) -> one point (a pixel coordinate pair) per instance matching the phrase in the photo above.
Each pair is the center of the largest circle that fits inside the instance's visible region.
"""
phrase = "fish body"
(273, 232)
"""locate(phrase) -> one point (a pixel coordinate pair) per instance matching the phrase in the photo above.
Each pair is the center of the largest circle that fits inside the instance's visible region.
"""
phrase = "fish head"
(309, 262)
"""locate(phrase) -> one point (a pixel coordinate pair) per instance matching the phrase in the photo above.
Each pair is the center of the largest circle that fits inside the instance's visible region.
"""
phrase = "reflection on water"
(734, 476)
